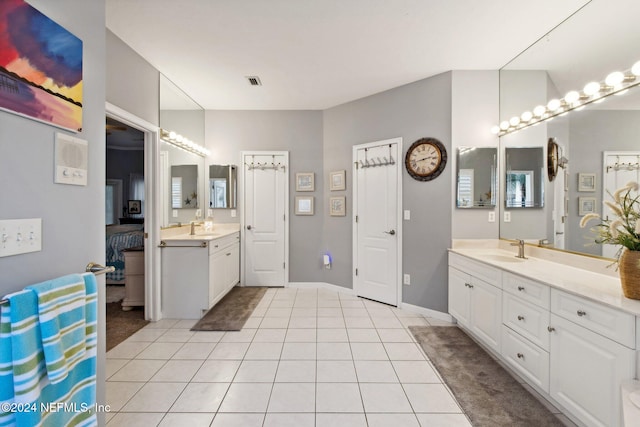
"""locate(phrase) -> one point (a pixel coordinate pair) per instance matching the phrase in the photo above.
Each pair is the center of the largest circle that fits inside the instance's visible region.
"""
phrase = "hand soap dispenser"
(208, 222)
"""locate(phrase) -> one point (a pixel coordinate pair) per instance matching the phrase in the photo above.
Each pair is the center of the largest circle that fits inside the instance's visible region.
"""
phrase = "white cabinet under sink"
(196, 274)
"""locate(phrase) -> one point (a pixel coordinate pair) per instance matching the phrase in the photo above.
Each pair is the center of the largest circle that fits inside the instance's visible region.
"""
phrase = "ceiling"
(315, 54)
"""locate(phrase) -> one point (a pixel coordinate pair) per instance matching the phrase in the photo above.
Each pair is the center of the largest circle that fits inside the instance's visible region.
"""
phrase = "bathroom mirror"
(184, 187)
(524, 178)
(222, 186)
(476, 176)
(180, 114)
(601, 39)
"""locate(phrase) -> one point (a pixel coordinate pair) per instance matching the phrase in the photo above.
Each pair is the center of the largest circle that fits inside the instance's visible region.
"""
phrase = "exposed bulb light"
(572, 97)
(591, 88)
(614, 79)
(172, 135)
(183, 143)
(495, 130)
(513, 121)
(504, 125)
(635, 70)
(554, 104)
(526, 116)
(539, 110)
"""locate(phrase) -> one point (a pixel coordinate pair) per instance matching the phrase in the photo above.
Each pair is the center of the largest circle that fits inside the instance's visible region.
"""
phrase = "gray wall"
(299, 132)
(413, 111)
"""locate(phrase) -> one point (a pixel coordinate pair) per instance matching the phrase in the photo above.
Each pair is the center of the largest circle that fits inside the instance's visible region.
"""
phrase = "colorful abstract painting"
(40, 67)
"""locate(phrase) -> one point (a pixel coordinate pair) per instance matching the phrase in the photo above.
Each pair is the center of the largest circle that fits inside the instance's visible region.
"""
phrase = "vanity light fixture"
(186, 144)
(616, 83)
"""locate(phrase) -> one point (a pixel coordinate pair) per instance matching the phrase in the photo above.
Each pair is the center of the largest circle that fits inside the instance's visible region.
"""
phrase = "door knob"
(392, 232)
(248, 227)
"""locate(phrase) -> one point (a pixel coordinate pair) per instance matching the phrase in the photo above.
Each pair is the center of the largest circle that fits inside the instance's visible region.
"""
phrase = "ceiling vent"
(254, 80)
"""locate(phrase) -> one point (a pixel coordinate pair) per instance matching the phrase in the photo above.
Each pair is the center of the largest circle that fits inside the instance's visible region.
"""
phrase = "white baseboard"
(426, 312)
(321, 285)
(403, 306)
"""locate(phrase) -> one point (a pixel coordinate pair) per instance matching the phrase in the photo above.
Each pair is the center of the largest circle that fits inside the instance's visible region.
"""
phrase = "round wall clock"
(426, 159)
(552, 159)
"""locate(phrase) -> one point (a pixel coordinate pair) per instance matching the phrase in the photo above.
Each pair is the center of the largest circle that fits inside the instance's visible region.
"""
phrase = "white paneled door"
(377, 233)
(265, 181)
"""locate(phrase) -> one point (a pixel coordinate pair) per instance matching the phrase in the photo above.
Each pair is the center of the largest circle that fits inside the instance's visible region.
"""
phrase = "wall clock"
(552, 159)
(426, 159)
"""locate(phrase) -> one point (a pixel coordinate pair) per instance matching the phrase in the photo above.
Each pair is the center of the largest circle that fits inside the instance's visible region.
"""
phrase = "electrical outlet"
(492, 217)
(407, 279)
(407, 215)
(507, 216)
(174, 213)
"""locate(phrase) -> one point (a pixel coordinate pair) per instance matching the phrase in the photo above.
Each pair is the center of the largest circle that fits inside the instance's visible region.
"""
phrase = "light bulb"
(172, 135)
(539, 110)
(635, 70)
(526, 116)
(495, 130)
(592, 88)
(572, 97)
(513, 121)
(614, 79)
(504, 125)
(554, 104)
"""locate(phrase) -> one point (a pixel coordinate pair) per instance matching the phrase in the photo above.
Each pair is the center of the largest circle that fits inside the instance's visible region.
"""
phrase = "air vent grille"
(254, 80)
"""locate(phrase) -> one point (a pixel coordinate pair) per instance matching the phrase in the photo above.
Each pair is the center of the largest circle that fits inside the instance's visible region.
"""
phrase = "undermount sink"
(504, 258)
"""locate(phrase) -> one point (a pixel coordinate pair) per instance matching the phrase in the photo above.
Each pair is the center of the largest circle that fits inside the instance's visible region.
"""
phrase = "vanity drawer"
(223, 242)
(526, 358)
(529, 290)
(530, 321)
(477, 269)
(599, 318)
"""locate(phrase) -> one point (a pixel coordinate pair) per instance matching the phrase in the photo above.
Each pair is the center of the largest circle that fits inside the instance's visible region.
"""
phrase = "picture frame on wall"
(305, 181)
(587, 205)
(338, 206)
(304, 205)
(134, 207)
(337, 180)
(586, 182)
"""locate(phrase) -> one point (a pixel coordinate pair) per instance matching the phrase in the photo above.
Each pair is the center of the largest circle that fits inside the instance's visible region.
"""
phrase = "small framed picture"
(337, 180)
(586, 182)
(337, 206)
(304, 181)
(587, 205)
(134, 207)
(304, 205)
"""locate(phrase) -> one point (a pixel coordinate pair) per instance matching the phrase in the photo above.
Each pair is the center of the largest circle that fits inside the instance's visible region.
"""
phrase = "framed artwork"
(586, 182)
(587, 205)
(304, 181)
(337, 206)
(134, 207)
(337, 180)
(304, 205)
(40, 67)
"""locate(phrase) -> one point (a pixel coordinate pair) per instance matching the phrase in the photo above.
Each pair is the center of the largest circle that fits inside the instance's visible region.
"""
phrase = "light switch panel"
(20, 236)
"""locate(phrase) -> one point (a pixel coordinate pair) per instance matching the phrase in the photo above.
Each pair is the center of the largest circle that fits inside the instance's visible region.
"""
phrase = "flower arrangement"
(624, 229)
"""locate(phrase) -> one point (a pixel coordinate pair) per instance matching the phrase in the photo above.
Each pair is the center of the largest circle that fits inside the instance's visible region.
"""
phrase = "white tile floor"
(306, 357)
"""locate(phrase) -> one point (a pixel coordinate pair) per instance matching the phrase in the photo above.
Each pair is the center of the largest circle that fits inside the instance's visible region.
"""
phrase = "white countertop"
(183, 233)
(601, 288)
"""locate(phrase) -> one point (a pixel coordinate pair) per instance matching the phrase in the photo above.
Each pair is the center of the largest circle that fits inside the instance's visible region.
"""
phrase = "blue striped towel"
(23, 372)
(61, 313)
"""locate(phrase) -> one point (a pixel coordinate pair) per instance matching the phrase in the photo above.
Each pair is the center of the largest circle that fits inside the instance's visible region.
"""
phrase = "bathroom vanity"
(198, 270)
(568, 332)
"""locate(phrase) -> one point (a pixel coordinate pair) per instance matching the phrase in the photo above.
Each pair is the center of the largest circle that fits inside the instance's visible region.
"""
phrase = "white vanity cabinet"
(475, 299)
(590, 357)
(196, 274)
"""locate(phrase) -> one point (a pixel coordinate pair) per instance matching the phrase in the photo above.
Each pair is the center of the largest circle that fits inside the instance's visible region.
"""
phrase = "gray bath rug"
(232, 311)
(488, 394)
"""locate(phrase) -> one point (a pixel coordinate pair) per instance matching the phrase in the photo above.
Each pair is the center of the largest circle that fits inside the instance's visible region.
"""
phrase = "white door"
(265, 180)
(618, 169)
(377, 229)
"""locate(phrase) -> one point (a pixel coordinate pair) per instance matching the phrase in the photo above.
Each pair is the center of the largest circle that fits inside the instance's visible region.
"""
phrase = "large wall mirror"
(182, 173)
(477, 180)
(598, 145)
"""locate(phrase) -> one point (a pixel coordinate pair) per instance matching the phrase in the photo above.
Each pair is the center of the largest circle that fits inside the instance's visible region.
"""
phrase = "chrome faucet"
(520, 244)
(193, 228)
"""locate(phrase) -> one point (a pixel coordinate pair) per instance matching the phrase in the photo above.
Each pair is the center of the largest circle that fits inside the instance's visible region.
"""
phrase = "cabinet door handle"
(582, 313)
(551, 328)
(521, 288)
(520, 356)
(520, 317)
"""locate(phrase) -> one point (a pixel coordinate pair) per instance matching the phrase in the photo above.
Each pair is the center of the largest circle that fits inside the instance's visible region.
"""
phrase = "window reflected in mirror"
(222, 186)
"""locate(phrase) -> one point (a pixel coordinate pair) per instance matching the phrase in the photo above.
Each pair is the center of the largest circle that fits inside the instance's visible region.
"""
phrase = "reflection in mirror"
(477, 178)
(222, 186)
(591, 139)
(184, 186)
(524, 181)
